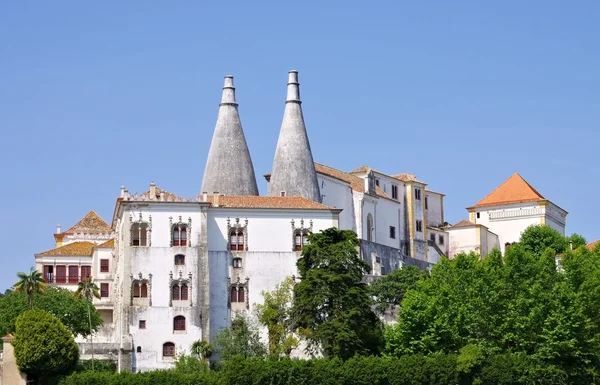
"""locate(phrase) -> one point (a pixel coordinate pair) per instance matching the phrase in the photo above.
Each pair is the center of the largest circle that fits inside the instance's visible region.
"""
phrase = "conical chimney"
(293, 172)
(229, 168)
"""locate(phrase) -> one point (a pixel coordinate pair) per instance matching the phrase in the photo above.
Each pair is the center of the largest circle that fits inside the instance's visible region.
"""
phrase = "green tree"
(43, 345)
(202, 349)
(60, 302)
(88, 290)
(189, 364)
(575, 241)
(31, 284)
(332, 305)
(535, 239)
(240, 339)
(276, 314)
(389, 290)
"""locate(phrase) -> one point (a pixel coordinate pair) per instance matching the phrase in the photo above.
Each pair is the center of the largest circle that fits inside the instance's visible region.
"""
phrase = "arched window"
(184, 292)
(234, 296)
(140, 290)
(168, 349)
(236, 240)
(139, 234)
(175, 293)
(238, 294)
(139, 349)
(241, 296)
(369, 228)
(179, 235)
(179, 323)
(237, 262)
(301, 239)
(179, 260)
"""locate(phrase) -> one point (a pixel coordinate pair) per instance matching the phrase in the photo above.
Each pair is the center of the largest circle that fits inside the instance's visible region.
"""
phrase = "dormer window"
(139, 234)
(236, 240)
(300, 239)
(180, 235)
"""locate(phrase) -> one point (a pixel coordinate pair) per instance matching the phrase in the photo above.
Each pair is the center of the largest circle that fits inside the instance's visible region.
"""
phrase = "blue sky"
(95, 95)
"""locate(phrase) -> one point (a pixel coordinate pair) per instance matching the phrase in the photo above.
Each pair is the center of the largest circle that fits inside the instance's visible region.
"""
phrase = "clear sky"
(95, 95)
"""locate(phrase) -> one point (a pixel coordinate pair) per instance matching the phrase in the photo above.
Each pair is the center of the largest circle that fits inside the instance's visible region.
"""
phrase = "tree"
(276, 314)
(575, 241)
(202, 349)
(332, 306)
(240, 339)
(32, 283)
(389, 290)
(88, 290)
(60, 302)
(43, 345)
(535, 239)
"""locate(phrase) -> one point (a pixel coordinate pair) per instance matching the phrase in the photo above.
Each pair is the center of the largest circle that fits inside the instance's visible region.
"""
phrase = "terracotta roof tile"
(356, 183)
(591, 246)
(514, 190)
(266, 202)
(8, 336)
(463, 223)
(91, 223)
(109, 244)
(406, 177)
(360, 170)
(72, 249)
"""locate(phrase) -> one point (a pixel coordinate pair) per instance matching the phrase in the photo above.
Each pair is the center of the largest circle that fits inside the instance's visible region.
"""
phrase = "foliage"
(43, 345)
(190, 364)
(389, 290)
(240, 339)
(99, 366)
(88, 290)
(517, 305)
(60, 302)
(32, 283)
(202, 349)
(535, 239)
(332, 305)
(576, 241)
(276, 314)
(170, 377)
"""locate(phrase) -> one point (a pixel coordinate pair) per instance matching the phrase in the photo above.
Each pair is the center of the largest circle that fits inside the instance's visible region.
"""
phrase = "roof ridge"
(72, 245)
(515, 189)
(91, 216)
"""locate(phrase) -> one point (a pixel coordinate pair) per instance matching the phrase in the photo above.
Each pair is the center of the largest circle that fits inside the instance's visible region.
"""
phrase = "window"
(394, 191)
(477, 215)
(175, 295)
(139, 349)
(377, 182)
(139, 234)
(179, 292)
(392, 232)
(237, 294)
(383, 272)
(179, 260)
(142, 324)
(418, 194)
(86, 272)
(61, 274)
(104, 290)
(426, 203)
(300, 239)
(184, 292)
(179, 323)
(104, 266)
(180, 235)
(432, 237)
(282, 193)
(441, 239)
(73, 274)
(236, 240)
(168, 349)
(49, 273)
(140, 290)
(419, 226)
(237, 262)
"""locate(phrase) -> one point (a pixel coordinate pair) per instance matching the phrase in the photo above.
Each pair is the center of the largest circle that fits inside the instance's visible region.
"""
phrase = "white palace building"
(172, 270)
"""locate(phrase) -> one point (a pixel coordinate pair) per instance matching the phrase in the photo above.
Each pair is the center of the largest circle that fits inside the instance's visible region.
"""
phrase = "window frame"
(237, 263)
(441, 239)
(61, 278)
(104, 265)
(104, 290)
(179, 324)
(139, 234)
(393, 232)
(419, 225)
(417, 193)
(73, 274)
(168, 349)
(142, 324)
(179, 235)
(85, 268)
(235, 235)
(179, 260)
(395, 192)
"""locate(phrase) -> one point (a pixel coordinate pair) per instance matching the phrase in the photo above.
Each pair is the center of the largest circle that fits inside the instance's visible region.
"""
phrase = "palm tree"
(202, 349)
(31, 284)
(88, 290)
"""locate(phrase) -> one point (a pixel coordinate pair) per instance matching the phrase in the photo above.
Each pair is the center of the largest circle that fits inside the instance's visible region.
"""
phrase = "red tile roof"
(266, 202)
(514, 190)
(356, 183)
(72, 249)
(591, 246)
(91, 223)
(406, 177)
(463, 223)
(108, 244)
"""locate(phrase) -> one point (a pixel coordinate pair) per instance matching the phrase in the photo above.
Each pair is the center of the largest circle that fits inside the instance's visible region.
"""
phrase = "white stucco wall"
(462, 239)
(435, 214)
(338, 194)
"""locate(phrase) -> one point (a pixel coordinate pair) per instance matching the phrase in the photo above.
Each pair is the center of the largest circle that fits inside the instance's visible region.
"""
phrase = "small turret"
(229, 168)
(293, 172)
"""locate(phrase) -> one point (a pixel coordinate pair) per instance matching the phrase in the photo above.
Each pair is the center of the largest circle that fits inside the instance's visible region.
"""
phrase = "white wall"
(435, 215)
(462, 239)
(338, 194)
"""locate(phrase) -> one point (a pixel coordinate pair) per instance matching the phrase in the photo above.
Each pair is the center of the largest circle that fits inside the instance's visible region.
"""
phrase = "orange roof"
(167, 195)
(91, 223)
(591, 246)
(255, 202)
(361, 169)
(72, 249)
(109, 244)
(406, 177)
(514, 190)
(356, 183)
(463, 223)
(8, 336)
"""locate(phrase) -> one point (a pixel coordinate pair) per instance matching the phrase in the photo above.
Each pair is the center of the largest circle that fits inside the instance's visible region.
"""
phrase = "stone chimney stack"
(152, 190)
(122, 194)
(229, 167)
(293, 173)
(57, 229)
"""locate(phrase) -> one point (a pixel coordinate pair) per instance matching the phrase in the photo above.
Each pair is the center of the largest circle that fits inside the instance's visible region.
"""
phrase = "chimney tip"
(58, 229)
